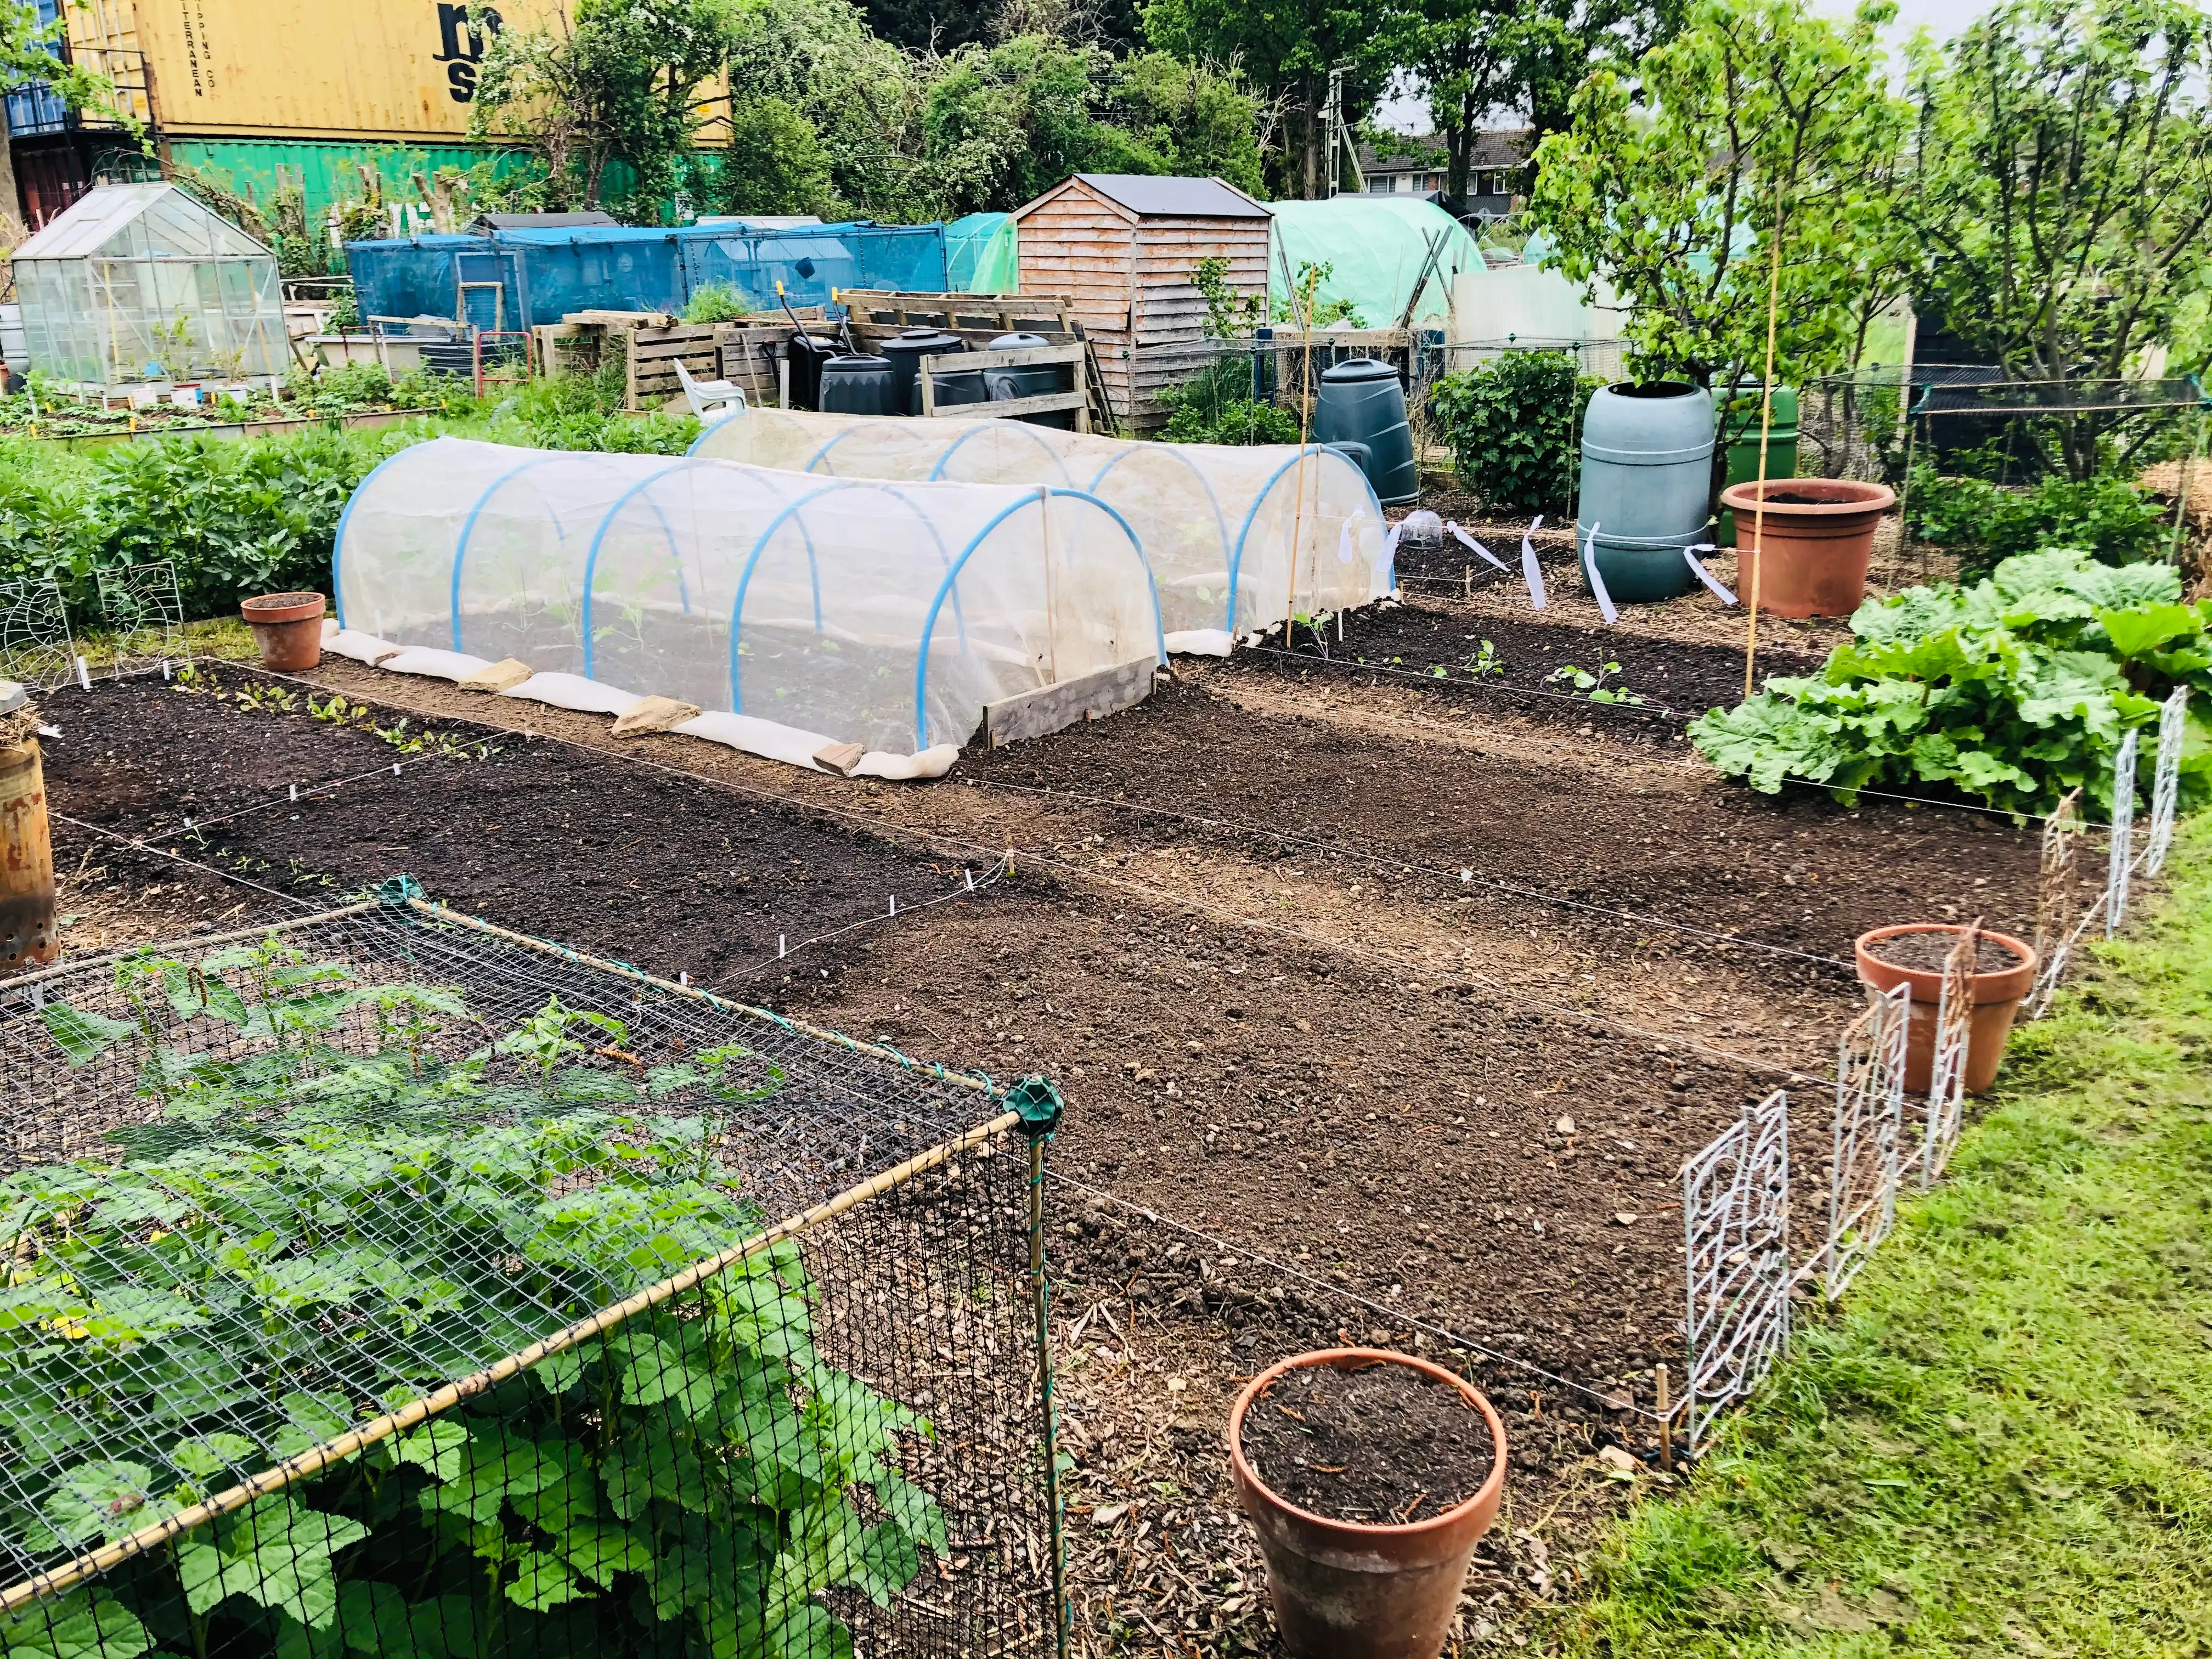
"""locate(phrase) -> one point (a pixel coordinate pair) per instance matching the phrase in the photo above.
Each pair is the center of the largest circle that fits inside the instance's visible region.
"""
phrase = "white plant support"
(1735, 1220)
(2165, 779)
(36, 646)
(2054, 900)
(144, 607)
(1946, 1082)
(1869, 1122)
(2120, 862)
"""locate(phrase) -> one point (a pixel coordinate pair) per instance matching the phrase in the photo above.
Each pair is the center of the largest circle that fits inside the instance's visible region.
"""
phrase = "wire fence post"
(2054, 899)
(2165, 779)
(2119, 864)
(1735, 1224)
(1869, 1122)
(1039, 1102)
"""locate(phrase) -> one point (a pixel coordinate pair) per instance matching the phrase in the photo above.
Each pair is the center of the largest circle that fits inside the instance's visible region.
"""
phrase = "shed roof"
(541, 221)
(1151, 196)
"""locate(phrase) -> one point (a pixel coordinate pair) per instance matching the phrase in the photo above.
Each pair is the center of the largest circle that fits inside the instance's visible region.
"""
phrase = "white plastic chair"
(711, 400)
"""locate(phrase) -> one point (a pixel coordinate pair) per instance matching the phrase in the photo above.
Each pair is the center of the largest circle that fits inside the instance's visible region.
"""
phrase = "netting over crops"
(1218, 523)
(884, 615)
(383, 1285)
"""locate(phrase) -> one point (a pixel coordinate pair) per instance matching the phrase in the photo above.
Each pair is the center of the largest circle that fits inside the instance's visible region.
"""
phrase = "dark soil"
(1386, 1445)
(1927, 952)
(667, 873)
(1676, 681)
(1794, 498)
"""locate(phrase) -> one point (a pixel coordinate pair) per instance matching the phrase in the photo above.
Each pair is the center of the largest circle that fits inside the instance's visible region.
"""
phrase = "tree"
(1288, 49)
(1190, 119)
(623, 80)
(2065, 186)
(1008, 123)
(1758, 119)
(775, 162)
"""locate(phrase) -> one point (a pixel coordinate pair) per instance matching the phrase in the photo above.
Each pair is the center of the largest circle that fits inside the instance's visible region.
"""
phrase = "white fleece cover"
(1200, 642)
(455, 665)
(755, 736)
(361, 647)
(574, 692)
(932, 763)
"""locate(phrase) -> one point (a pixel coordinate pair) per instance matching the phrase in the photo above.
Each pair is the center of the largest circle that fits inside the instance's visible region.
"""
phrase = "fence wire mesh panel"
(2165, 779)
(2054, 900)
(2119, 861)
(144, 608)
(36, 649)
(1947, 1072)
(384, 1285)
(1869, 1122)
(1735, 1219)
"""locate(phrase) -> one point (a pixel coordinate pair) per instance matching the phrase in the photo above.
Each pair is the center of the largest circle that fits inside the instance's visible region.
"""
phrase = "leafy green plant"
(1216, 406)
(174, 346)
(1510, 426)
(1985, 525)
(2014, 691)
(1229, 315)
(716, 303)
(1592, 684)
(305, 1235)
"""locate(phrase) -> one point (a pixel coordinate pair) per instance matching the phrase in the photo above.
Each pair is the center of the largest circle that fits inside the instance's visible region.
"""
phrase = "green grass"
(2001, 1442)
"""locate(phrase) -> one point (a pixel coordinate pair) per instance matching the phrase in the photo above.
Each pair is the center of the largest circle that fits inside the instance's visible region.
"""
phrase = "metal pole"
(1041, 1298)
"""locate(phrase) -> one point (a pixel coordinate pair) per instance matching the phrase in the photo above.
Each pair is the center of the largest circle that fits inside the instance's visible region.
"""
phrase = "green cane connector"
(398, 891)
(1037, 1099)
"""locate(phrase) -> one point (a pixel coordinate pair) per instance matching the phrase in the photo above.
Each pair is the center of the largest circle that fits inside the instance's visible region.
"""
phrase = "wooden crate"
(1070, 356)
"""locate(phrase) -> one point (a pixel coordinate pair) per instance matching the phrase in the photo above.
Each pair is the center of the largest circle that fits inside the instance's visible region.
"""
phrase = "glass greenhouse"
(1218, 523)
(138, 282)
(887, 614)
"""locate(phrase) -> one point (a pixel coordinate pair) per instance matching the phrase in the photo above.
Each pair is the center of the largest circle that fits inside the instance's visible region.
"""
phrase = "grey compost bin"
(1363, 405)
(1647, 485)
(859, 386)
(1029, 380)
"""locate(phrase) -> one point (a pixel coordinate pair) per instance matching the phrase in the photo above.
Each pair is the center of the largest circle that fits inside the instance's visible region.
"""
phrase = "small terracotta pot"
(1811, 556)
(1346, 1591)
(288, 628)
(1997, 996)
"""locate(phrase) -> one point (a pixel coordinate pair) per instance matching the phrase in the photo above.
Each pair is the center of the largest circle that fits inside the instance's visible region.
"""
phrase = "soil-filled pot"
(1345, 1590)
(1813, 545)
(288, 628)
(1998, 991)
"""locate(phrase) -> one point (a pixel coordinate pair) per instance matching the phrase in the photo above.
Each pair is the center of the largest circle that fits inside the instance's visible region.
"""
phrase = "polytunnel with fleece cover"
(860, 611)
(1219, 522)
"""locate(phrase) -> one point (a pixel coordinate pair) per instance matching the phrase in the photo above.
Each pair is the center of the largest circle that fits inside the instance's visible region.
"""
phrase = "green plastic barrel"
(1363, 405)
(1743, 453)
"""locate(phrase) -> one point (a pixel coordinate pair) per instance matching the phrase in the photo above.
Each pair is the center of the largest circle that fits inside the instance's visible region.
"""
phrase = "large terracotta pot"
(1811, 555)
(1346, 1591)
(288, 628)
(1997, 996)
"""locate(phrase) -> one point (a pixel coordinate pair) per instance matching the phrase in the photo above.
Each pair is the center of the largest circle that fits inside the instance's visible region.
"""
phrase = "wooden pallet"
(1076, 401)
(880, 313)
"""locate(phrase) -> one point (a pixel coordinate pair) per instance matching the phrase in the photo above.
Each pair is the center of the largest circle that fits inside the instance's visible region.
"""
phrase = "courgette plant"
(303, 1235)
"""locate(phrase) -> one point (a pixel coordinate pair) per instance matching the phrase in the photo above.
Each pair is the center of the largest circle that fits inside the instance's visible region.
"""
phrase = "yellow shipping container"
(381, 69)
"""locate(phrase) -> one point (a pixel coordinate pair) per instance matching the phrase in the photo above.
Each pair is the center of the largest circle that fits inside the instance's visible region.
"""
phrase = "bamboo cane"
(1765, 421)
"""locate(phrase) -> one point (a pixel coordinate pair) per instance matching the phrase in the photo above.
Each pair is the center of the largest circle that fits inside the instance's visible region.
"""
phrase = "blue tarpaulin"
(514, 279)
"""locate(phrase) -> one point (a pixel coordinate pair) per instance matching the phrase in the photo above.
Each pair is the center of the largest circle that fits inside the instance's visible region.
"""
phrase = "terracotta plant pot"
(27, 859)
(1346, 1591)
(288, 628)
(1997, 996)
(1812, 557)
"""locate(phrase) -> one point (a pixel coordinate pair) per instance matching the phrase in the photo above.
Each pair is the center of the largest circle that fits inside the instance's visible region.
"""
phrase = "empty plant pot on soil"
(1813, 542)
(288, 628)
(1912, 954)
(1369, 1478)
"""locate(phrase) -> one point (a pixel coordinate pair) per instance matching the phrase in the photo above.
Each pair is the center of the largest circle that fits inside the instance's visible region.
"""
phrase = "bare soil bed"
(1384, 1446)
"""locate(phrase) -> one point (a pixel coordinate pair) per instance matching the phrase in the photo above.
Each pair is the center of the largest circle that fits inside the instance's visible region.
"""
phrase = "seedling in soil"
(1593, 685)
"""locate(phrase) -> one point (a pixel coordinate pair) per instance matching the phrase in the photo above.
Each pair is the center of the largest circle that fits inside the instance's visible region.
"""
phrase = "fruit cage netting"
(385, 1283)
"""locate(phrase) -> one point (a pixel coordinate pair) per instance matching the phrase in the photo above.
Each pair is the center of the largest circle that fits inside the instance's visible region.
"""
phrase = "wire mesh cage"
(145, 615)
(36, 647)
(385, 1283)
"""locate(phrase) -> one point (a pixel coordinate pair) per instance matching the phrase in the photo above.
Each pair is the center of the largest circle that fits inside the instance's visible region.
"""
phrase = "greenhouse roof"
(168, 223)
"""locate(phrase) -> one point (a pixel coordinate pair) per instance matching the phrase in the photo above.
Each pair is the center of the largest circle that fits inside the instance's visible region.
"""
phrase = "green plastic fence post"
(1038, 1101)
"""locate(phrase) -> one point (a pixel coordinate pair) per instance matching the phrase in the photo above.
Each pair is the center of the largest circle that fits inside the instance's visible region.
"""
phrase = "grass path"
(2001, 1442)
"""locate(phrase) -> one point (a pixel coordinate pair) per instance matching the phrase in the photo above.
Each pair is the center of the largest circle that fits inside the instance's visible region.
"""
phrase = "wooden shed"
(1122, 246)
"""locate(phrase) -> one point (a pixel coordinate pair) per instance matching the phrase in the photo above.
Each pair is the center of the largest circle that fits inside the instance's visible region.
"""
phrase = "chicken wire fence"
(142, 612)
(1738, 1276)
(386, 1284)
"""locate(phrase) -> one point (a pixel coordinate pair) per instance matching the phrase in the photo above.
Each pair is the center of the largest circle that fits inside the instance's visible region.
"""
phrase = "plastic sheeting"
(522, 278)
(1377, 248)
(886, 615)
(1218, 523)
(982, 254)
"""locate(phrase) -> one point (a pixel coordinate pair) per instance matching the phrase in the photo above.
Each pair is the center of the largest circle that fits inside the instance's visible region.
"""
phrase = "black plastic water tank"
(904, 353)
(859, 386)
(1029, 380)
(1362, 402)
(807, 354)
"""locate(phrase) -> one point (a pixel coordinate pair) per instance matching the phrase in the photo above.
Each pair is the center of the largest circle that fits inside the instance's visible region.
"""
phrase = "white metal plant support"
(1869, 1121)
(2054, 900)
(1947, 1081)
(1735, 1219)
(143, 605)
(36, 647)
(2165, 779)
(2120, 862)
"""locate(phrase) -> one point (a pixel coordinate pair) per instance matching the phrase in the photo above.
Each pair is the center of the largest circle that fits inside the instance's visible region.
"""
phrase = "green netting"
(385, 1285)
(983, 255)
(1377, 248)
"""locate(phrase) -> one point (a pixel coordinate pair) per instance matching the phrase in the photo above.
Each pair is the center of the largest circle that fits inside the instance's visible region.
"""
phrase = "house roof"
(1496, 148)
(1151, 196)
